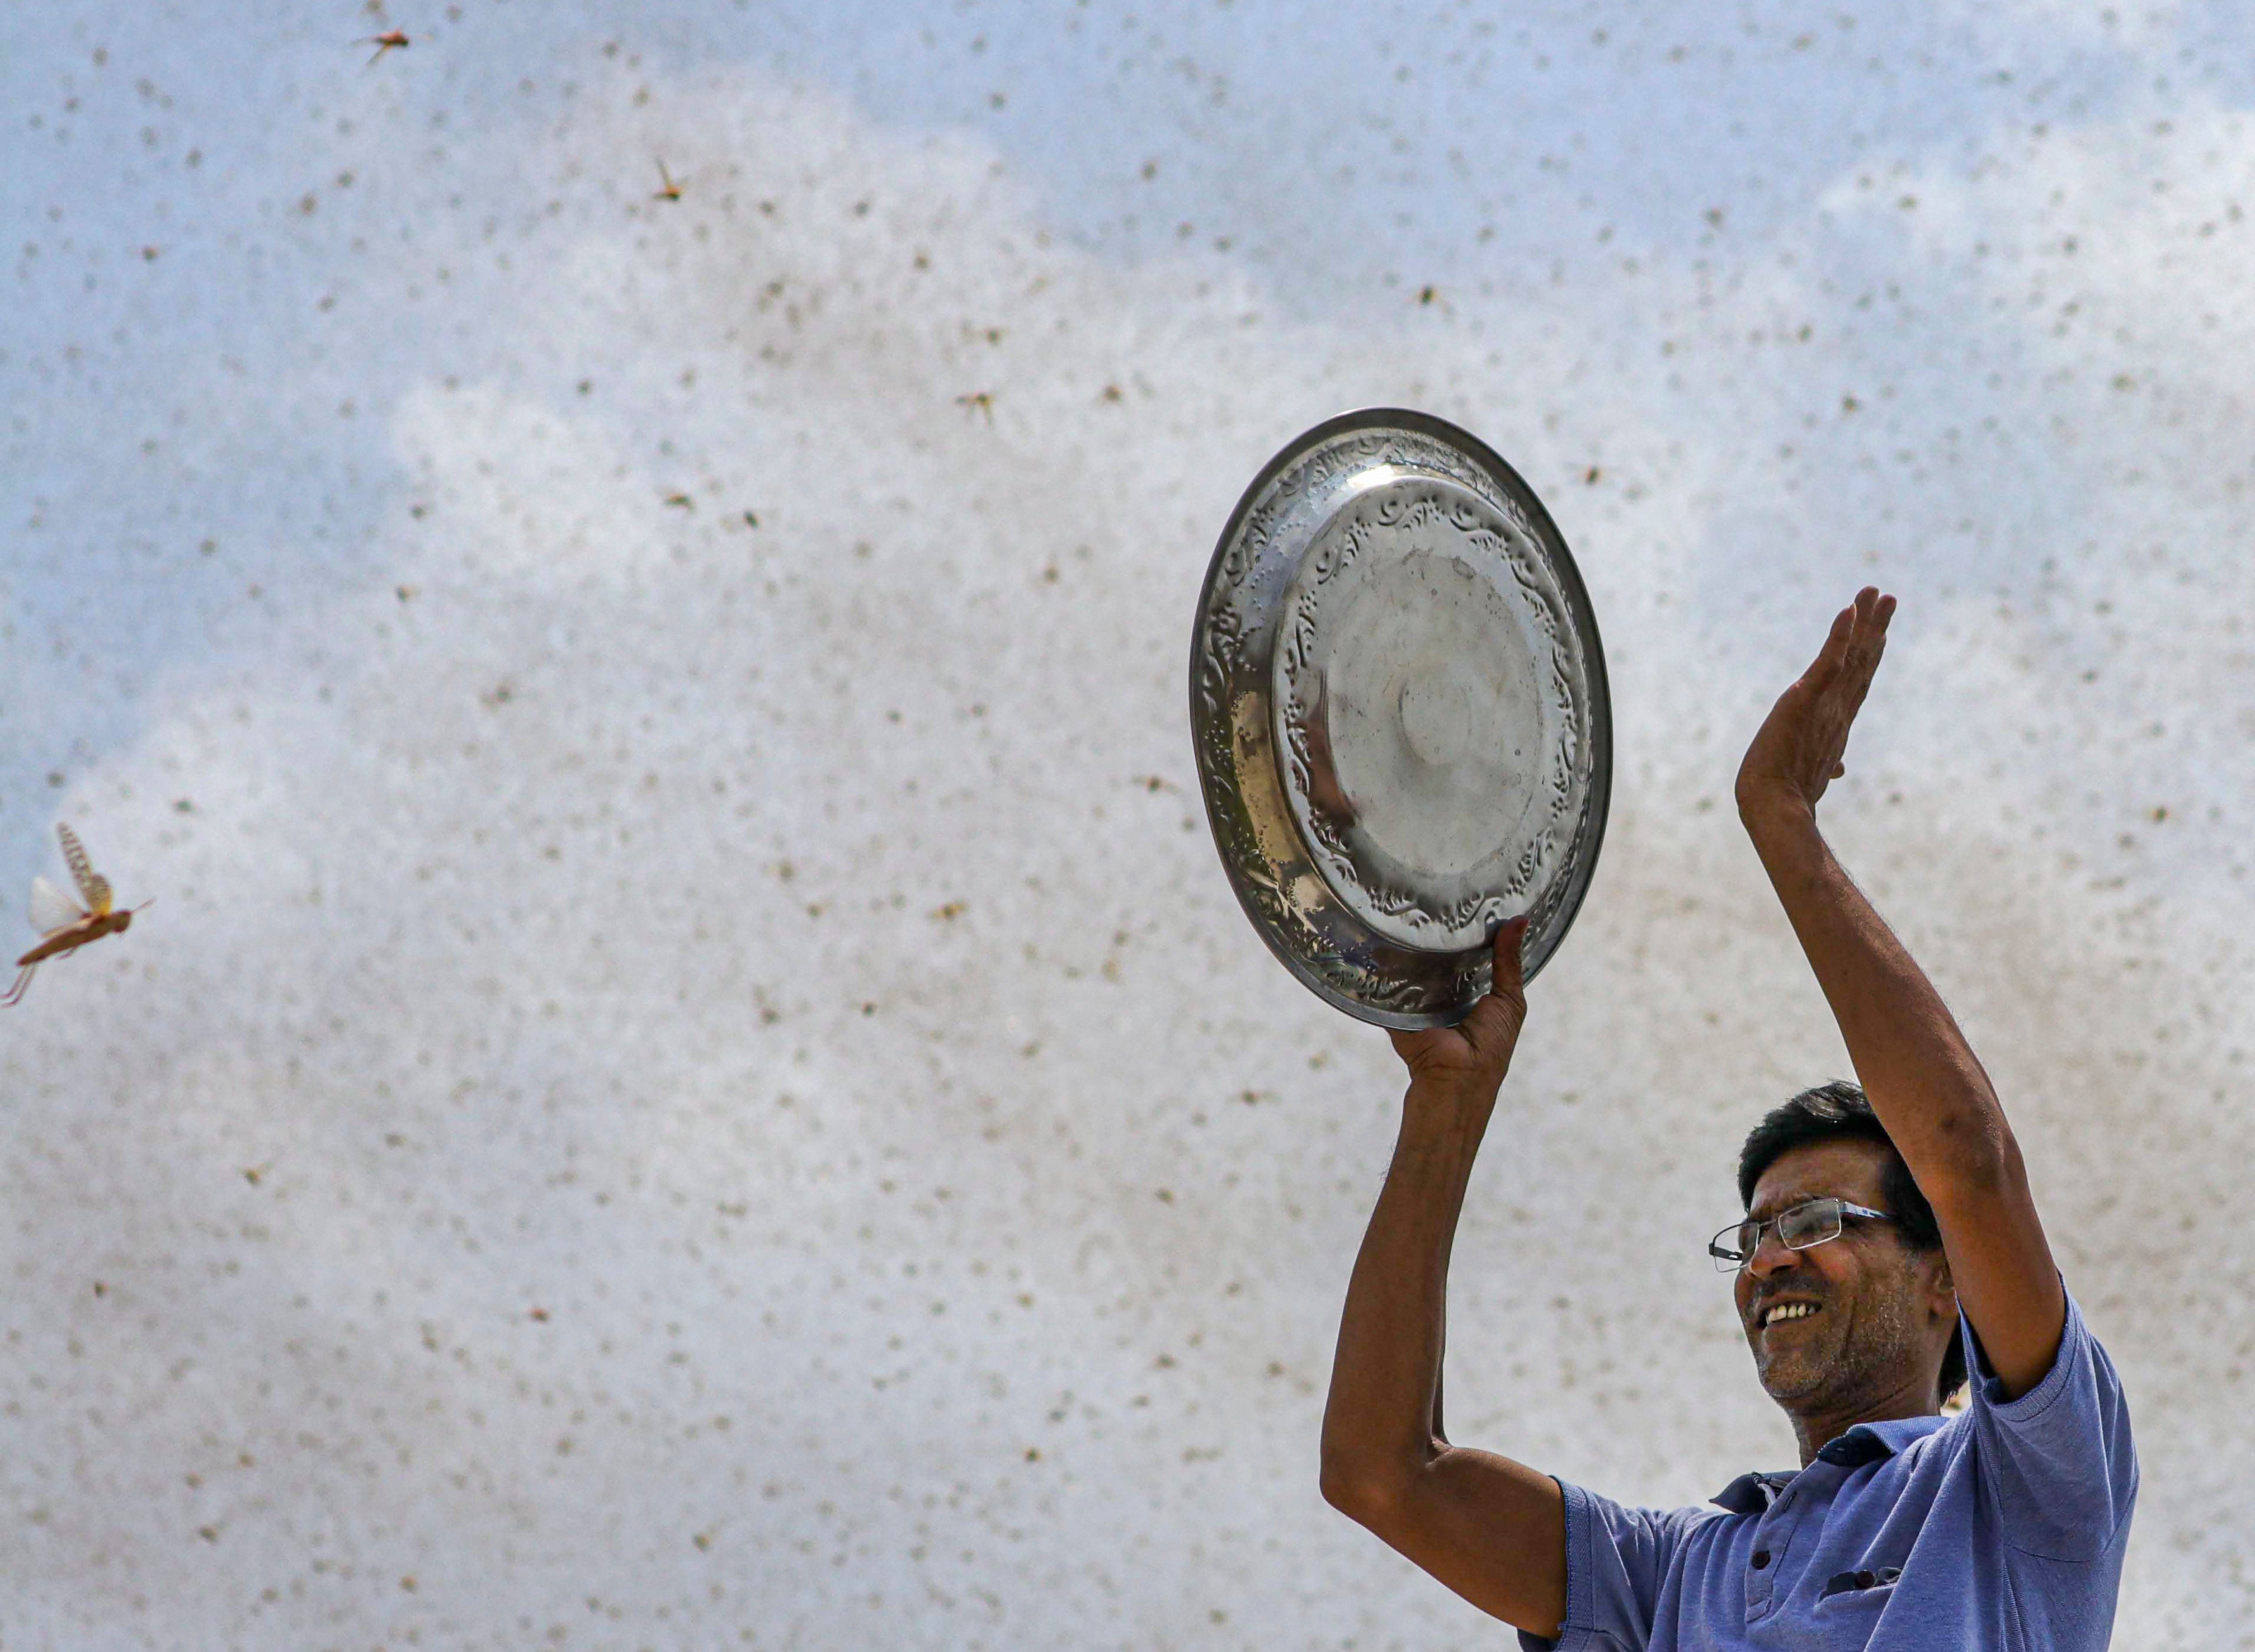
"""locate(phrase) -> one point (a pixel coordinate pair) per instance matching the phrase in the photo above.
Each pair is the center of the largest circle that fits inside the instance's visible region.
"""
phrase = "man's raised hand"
(1472, 1057)
(1797, 751)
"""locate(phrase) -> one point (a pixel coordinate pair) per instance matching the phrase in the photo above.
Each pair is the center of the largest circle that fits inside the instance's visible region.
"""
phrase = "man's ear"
(1941, 1290)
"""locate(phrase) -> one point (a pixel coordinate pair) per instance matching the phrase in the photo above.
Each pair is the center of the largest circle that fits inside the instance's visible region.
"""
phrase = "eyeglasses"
(1797, 1229)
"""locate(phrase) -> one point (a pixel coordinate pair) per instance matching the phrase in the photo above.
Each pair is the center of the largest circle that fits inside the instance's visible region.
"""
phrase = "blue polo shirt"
(2000, 1529)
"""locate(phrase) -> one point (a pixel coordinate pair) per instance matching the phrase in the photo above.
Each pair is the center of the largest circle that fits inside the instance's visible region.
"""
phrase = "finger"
(1861, 684)
(1491, 1028)
(1856, 677)
(1863, 668)
(1880, 615)
(1872, 612)
(1510, 960)
(1835, 650)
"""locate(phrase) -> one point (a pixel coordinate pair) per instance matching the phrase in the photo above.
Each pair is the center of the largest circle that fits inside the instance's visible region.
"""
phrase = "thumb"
(1492, 1026)
(1510, 961)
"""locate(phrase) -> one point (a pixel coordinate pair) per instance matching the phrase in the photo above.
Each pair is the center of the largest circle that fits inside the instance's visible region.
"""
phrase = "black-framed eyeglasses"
(1797, 1229)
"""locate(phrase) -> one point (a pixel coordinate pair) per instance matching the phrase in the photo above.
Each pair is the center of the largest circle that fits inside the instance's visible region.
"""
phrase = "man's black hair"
(1829, 1112)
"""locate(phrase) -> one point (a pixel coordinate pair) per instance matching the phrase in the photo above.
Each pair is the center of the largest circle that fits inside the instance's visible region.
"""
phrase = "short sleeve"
(1617, 1561)
(2059, 1458)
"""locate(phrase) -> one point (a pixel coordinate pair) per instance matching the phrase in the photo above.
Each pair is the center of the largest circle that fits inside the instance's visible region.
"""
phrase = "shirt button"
(1761, 1558)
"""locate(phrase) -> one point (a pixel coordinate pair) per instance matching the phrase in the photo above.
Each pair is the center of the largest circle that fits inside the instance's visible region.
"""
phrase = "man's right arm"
(1492, 1529)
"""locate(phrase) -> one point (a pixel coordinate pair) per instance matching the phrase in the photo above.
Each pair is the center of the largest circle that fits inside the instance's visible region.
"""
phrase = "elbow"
(1366, 1493)
(1360, 1498)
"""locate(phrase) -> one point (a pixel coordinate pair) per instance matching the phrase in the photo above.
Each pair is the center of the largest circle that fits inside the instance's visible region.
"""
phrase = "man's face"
(1878, 1304)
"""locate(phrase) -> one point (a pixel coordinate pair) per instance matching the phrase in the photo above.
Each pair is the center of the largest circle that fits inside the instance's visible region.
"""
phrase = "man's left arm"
(1923, 1079)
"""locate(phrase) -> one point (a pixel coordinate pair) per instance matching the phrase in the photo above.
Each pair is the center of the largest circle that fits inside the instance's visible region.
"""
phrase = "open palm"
(1797, 751)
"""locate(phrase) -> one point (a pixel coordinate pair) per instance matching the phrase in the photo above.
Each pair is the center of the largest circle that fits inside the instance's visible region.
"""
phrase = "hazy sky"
(693, 1080)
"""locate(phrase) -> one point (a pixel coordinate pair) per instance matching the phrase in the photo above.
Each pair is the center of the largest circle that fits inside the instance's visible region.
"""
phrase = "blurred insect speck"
(66, 925)
(385, 42)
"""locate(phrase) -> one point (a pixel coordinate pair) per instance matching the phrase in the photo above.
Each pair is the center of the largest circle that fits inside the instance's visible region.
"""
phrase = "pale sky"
(693, 1079)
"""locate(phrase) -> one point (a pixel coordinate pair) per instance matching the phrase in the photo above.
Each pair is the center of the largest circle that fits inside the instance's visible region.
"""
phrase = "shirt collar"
(1865, 1443)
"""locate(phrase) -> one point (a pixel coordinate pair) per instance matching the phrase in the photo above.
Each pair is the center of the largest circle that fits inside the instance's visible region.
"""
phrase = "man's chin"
(1793, 1379)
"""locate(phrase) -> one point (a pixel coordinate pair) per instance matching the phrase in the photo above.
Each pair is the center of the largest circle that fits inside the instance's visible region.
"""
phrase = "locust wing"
(91, 884)
(51, 909)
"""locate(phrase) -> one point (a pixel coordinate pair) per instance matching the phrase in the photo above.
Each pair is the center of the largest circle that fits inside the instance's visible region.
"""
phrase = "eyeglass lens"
(1810, 1224)
(1797, 1229)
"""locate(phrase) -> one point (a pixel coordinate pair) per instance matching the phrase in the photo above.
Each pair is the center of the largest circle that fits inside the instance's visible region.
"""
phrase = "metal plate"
(1399, 707)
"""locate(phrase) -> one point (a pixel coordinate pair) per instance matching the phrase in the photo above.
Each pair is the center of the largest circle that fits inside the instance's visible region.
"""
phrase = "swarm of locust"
(66, 925)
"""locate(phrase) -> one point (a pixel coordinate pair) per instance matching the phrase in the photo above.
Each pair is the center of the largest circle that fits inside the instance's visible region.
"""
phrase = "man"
(1881, 1235)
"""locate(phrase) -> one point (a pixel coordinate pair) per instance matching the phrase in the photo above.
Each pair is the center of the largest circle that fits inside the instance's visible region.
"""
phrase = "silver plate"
(1399, 707)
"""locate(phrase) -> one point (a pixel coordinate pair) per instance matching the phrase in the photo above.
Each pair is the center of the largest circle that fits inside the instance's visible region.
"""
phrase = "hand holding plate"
(1472, 1057)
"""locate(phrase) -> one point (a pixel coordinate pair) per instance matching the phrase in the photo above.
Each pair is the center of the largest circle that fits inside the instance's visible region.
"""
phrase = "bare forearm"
(1923, 1079)
(1380, 1420)
(1492, 1529)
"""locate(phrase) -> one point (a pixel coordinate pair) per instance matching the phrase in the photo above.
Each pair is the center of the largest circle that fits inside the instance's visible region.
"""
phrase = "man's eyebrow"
(1769, 1207)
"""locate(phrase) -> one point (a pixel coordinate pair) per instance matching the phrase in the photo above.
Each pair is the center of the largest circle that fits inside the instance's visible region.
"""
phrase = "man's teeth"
(1788, 1311)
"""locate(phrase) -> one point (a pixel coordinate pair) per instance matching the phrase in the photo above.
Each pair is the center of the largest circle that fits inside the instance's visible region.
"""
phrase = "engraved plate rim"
(1325, 945)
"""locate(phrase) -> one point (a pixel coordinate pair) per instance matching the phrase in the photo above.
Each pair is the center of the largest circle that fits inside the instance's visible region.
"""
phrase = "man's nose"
(1770, 1255)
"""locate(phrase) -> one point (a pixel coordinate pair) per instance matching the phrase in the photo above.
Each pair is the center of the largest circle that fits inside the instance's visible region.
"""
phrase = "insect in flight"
(385, 42)
(66, 925)
(672, 190)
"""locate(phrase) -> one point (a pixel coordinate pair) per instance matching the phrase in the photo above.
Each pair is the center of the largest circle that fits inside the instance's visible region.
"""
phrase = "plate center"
(1415, 701)
(1436, 713)
(1430, 688)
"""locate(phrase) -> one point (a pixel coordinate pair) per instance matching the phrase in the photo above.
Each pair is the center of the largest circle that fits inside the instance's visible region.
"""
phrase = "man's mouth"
(1785, 1312)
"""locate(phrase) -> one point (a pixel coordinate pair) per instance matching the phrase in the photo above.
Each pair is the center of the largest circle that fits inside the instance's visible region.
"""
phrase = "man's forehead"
(1849, 1168)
